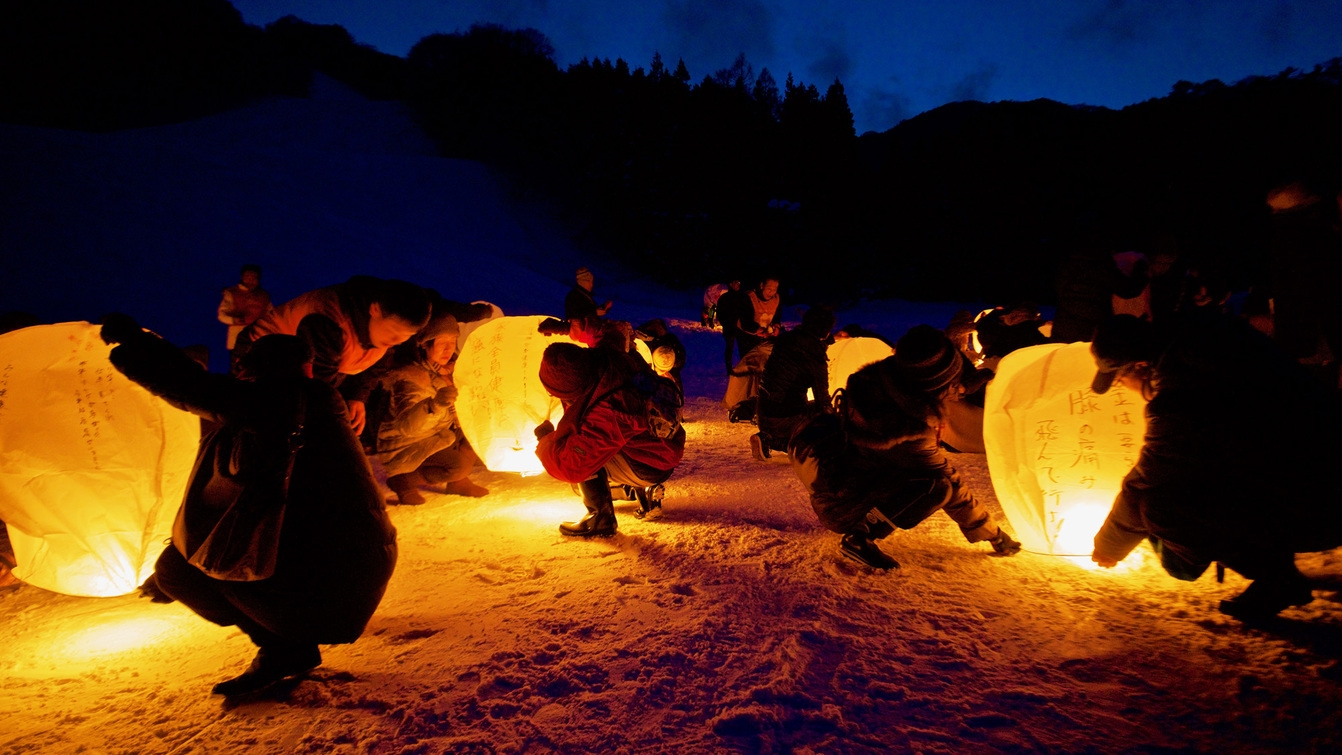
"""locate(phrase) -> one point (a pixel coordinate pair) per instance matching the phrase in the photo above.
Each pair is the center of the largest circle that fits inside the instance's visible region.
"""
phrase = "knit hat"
(817, 321)
(663, 359)
(440, 325)
(926, 360)
(567, 370)
(1119, 341)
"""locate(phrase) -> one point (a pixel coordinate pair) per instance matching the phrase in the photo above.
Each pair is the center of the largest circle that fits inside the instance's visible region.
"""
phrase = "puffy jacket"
(417, 426)
(798, 362)
(610, 419)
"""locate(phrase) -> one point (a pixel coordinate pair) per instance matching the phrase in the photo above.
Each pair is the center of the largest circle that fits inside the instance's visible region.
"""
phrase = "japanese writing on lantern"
(1089, 441)
(94, 391)
(5, 373)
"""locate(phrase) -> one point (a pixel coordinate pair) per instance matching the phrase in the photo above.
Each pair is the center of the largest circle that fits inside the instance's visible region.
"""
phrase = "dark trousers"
(209, 598)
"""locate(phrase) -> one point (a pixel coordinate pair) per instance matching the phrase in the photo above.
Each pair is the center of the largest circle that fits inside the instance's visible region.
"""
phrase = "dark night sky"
(895, 59)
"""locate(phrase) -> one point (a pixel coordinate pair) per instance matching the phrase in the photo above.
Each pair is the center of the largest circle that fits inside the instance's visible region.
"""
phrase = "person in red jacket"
(604, 435)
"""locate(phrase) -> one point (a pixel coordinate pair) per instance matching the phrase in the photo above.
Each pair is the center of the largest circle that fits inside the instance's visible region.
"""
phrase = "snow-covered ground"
(730, 625)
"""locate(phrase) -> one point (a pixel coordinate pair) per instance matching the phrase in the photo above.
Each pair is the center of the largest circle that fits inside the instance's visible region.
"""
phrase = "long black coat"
(1238, 460)
(337, 546)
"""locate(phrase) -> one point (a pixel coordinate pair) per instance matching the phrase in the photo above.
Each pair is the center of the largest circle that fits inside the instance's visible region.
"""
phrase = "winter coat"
(416, 426)
(890, 460)
(798, 363)
(337, 547)
(334, 321)
(580, 304)
(733, 306)
(609, 419)
(241, 307)
(1234, 437)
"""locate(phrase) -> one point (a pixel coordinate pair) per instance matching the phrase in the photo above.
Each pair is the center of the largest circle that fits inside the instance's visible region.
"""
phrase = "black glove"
(119, 328)
(151, 590)
(1003, 544)
(544, 429)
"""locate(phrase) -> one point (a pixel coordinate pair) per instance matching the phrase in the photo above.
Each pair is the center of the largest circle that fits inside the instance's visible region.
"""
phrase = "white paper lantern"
(500, 398)
(92, 466)
(848, 355)
(1057, 452)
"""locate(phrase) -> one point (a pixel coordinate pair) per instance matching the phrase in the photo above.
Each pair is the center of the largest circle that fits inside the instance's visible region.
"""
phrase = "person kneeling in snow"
(336, 548)
(798, 364)
(1237, 463)
(419, 442)
(875, 463)
(604, 435)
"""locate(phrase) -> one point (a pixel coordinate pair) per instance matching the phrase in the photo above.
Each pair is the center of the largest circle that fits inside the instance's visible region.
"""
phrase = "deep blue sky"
(895, 58)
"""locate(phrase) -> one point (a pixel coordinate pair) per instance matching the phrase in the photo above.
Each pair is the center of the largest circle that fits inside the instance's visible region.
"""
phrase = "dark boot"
(272, 664)
(406, 486)
(600, 519)
(649, 502)
(1268, 596)
(862, 549)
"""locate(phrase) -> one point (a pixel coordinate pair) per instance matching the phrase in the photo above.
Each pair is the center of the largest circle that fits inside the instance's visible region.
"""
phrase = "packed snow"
(729, 625)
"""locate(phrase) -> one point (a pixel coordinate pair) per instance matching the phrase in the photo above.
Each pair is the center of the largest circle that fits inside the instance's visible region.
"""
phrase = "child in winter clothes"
(875, 464)
(419, 442)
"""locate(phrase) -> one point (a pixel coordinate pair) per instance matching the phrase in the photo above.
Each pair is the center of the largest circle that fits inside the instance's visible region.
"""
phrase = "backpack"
(662, 401)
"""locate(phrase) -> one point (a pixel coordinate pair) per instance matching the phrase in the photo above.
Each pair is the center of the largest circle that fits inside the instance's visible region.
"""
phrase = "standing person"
(875, 464)
(798, 364)
(580, 304)
(760, 322)
(732, 307)
(605, 435)
(243, 304)
(349, 326)
(419, 443)
(1235, 431)
(281, 439)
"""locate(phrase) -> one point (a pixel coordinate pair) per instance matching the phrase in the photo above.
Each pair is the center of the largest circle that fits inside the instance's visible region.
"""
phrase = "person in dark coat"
(732, 306)
(875, 464)
(798, 364)
(604, 436)
(1006, 329)
(337, 549)
(1235, 433)
(580, 304)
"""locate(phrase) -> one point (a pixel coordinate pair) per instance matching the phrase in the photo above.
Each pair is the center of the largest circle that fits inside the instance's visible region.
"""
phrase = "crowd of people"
(339, 381)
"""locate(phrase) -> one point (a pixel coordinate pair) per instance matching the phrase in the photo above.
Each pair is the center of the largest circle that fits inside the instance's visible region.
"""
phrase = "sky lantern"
(500, 398)
(848, 355)
(1057, 452)
(92, 466)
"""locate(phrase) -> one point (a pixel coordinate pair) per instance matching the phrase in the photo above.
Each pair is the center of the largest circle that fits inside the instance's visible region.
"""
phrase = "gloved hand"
(544, 429)
(445, 396)
(1003, 544)
(151, 590)
(119, 328)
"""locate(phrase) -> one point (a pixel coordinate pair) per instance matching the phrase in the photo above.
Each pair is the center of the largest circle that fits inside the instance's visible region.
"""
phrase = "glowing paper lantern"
(466, 328)
(92, 466)
(500, 398)
(1057, 452)
(848, 355)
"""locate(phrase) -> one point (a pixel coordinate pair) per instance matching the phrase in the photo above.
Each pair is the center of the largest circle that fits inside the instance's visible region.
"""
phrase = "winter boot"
(406, 486)
(1003, 544)
(759, 447)
(272, 664)
(600, 519)
(862, 549)
(649, 502)
(1268, 596)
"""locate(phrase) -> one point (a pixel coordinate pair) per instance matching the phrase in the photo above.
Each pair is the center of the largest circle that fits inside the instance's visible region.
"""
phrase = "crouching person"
(605, 435)
(282, 440)
(420, 443)
(875, 464)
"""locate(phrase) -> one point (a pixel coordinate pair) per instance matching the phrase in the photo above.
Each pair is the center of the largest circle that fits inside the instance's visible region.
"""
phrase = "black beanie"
(926, 361)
